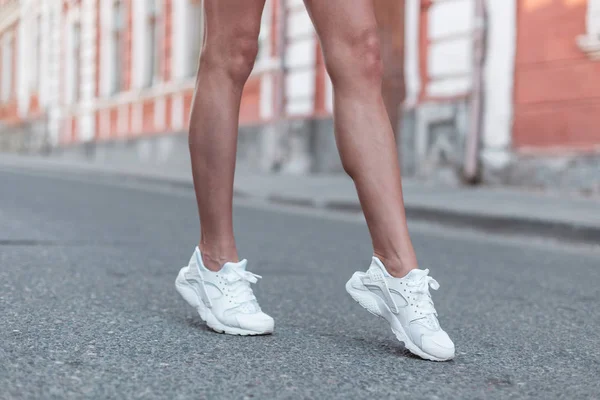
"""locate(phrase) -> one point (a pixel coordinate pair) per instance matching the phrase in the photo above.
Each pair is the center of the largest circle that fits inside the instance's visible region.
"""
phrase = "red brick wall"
(557, 88)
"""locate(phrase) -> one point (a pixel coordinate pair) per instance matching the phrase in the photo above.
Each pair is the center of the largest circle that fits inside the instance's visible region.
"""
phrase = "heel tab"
(196, 260)
(376, 263)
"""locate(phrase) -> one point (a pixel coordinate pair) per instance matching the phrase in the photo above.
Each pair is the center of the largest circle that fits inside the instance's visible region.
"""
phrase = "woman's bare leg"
(348, 35)
(228, 55)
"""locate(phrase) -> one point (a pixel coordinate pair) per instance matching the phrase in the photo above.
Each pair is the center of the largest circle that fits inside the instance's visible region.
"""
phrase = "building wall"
(9, 72)
(445, 64)
(441, 78)
(557, 88)
(539, 86)
(154, 98)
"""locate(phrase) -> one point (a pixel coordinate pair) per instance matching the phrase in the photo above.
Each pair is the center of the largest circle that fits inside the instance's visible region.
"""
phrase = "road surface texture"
(88, 307)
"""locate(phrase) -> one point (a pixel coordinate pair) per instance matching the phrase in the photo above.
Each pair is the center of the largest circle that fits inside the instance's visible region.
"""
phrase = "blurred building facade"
(508, 89)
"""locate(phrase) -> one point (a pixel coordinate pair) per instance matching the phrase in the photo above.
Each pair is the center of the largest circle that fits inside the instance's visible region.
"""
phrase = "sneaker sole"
(376, 306)
(190, 295)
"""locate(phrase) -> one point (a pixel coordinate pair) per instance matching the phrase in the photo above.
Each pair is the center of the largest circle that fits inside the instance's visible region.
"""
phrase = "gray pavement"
(88, 308)
(565, 217)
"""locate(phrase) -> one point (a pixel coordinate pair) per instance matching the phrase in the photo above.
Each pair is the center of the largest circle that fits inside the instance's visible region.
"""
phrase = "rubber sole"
(190, 295)
(376, 306)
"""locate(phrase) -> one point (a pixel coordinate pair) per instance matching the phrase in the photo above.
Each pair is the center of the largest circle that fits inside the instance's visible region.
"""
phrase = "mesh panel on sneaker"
(249, 307)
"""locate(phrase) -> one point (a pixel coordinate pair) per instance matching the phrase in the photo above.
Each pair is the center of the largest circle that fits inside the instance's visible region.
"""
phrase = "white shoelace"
(423, 297)
(240, 281)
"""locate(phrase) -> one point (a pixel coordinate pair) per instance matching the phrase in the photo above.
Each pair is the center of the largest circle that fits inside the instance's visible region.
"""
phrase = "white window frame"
(195, 33)
(76, 60)
(154, 21)
(264, 37)
(265, 62)
(590, 42)
(7, 81)
(35, 50)
(117, 31)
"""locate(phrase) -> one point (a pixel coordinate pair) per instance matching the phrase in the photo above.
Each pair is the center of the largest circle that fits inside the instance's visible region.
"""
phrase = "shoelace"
(423, 297)
(240, 282)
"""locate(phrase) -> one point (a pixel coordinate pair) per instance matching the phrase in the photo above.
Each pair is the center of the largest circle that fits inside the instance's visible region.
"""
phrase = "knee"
(356, 57)
(234, 55)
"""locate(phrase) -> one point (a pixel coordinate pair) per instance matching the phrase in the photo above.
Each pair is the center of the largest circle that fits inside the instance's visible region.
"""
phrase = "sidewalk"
(489, 208)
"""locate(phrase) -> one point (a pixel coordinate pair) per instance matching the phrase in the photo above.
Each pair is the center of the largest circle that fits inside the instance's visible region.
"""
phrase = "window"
(590, 42)
(38, 48)
(36, 57)
(76, 57)
(118, 27)
(6, 83)
(153, 47)
(195, 32)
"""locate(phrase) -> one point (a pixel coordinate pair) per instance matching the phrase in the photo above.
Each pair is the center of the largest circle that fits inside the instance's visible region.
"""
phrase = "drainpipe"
(280, 100)
(471, 171)
(281, 47)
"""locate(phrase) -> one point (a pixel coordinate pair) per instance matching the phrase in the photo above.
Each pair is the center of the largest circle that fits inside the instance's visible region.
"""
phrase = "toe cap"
(438, 345)
(258, 322)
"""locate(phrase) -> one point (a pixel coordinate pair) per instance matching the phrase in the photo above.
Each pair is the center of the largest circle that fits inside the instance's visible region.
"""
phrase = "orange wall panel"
(166, 42)
(168, 112)
(250, 107)
(557, 87)
(576, 125)
(148, 117)
(113, 122)
(74, 130)
(188, 98)
(558, 82)
(9, 112)
(548, 32)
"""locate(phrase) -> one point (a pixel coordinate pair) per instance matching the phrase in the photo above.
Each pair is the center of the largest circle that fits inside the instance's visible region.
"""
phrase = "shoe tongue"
(240, 266)
(416, 274)
(250, 306)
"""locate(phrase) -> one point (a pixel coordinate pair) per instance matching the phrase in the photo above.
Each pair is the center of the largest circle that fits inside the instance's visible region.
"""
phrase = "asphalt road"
(88, 307)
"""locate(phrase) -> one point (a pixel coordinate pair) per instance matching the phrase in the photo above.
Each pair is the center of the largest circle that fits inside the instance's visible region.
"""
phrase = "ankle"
(398, 267)
(214, 259)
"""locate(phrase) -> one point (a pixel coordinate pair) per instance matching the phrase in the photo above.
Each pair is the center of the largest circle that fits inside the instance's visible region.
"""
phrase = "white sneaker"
(224, 299)
(406, 304)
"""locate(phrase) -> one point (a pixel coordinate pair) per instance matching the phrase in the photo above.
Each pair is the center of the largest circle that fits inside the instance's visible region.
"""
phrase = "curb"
(563, 231)
(558, 230)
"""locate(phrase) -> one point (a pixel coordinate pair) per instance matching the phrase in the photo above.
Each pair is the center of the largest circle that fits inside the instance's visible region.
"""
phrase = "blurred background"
(496, 110)
(494, 91)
